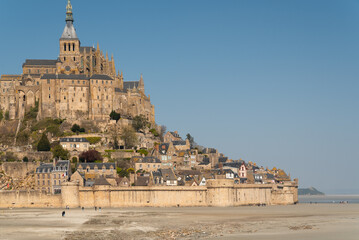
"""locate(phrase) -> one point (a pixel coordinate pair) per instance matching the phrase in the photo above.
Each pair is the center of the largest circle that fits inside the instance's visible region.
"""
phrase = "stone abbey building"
(81, 83)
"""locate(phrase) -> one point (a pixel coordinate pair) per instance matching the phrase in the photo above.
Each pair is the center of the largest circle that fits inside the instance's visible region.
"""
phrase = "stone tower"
(69, 46)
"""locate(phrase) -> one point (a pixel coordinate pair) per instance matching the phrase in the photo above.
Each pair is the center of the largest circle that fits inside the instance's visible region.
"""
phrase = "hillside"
(309, 191)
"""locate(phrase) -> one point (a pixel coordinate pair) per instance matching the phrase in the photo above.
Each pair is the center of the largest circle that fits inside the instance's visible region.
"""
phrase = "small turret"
(141, 85)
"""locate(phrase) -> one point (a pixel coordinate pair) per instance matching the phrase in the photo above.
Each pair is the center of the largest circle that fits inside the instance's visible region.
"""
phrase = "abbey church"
(81, 83)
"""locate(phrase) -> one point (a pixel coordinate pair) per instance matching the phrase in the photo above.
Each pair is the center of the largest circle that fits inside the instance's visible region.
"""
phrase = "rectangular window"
(48, 81)
(49, 96)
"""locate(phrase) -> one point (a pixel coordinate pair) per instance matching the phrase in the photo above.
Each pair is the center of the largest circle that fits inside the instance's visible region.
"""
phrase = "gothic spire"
(69, 31)
(69, 16)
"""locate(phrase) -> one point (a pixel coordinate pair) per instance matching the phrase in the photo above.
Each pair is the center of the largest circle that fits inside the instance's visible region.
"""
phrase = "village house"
(50, 176)
(147, 164)
(164, 177)
(171, 136)
(95, 170)
(75, 144)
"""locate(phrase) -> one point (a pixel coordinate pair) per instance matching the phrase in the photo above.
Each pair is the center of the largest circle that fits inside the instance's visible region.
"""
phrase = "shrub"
(90, 156)
(75, 128)
(7, 115)
(139, 122)
(1, 115)
(59, 152)
(25, 159)
(129, 136)
(44, 144)
(115, 116)
(143, 151)
(154, 132)
(74, 160)
(93, 140)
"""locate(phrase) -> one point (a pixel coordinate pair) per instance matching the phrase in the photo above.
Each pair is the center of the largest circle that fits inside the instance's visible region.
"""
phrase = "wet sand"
(303, 221)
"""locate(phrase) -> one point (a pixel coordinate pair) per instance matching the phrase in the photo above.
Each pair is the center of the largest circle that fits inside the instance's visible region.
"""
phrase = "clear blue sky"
(274, 82)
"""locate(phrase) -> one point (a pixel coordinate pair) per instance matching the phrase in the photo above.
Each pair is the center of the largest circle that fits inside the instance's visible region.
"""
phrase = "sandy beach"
(302, 221)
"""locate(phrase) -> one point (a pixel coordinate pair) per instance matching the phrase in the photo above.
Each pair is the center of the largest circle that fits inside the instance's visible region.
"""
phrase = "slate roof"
(73, 140)
(189, 172)
(175, 134)
(142, 181)
(61, 165)
(167, 174)
(45, 168)
(40, 62)
(222, 159)
(179, 143)
(65, 76)
(235, 164)
(101, 77)
(99, 165)
(119, 90)
(88, 49)
(69, 31)
(206, 160)
(101, 181)
(130, 85)
(163, 148)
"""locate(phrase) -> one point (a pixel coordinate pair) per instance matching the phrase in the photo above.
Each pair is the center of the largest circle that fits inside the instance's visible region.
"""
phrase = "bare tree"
(163, 129)
(128, 135)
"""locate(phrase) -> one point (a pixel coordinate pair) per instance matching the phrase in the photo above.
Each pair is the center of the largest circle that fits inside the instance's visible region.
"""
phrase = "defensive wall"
(219, 193)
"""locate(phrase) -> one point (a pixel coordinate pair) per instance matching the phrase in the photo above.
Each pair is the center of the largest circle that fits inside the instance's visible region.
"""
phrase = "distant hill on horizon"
(309, 191)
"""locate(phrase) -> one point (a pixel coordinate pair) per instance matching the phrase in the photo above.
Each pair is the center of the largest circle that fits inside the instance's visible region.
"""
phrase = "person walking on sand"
(63, 213)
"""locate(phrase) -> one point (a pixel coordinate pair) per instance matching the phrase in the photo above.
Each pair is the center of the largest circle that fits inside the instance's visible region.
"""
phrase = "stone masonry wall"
(219, 192)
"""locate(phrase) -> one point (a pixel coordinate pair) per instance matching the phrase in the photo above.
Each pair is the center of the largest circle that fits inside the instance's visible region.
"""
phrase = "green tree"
(115, 116)
(7, 115)
(140, 122)
(190, 139)
(25, 159)
(76, 128)
(44, 144)
(59, 152)
(128, 135)
(1, 115)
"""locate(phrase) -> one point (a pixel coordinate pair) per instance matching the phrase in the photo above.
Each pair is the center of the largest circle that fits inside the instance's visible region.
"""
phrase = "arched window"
(73, 47)
(69, 46)
(65, 47)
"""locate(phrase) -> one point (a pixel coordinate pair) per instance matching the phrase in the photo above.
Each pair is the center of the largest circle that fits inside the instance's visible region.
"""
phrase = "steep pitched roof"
(69, 31)
(130, 85)
(88, 49)
(73, 140)
(99, 165)
(101, 77)
(101, 181)
(179, 143)
(40, 62)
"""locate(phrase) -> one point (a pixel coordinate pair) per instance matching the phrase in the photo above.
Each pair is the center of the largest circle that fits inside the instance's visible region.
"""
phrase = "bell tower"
(69, 46)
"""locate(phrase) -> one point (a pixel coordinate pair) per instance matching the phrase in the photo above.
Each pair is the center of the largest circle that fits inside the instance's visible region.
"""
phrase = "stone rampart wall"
(28, 199)
(220, 192)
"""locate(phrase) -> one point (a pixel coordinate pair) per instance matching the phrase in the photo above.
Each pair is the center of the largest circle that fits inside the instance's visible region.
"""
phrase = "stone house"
(164, 177)
(95, 170)
(75, 144)
(148, 164)
(49, 177)
(171, 136)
